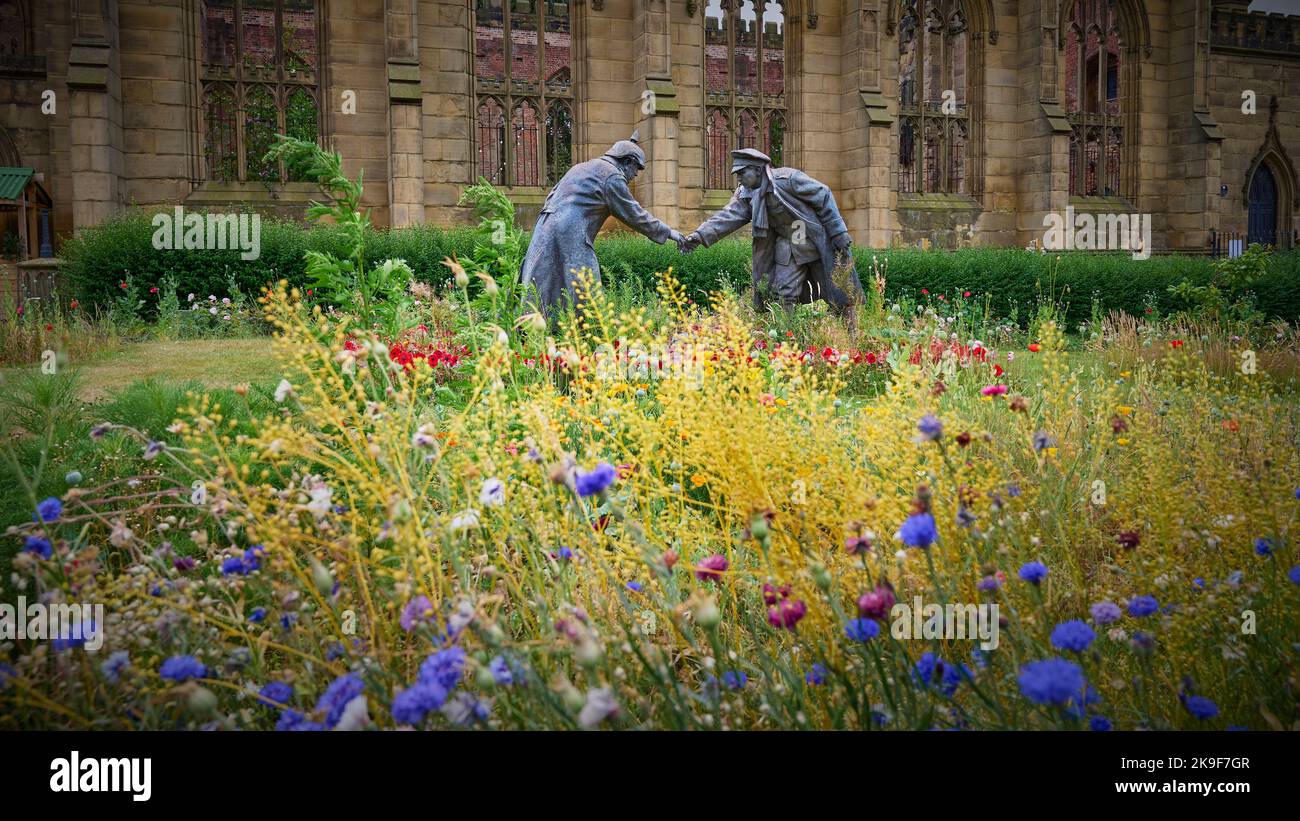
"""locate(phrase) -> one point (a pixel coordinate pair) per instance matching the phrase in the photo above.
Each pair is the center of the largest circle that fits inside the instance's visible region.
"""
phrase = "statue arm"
(735, 216)
(624, 206)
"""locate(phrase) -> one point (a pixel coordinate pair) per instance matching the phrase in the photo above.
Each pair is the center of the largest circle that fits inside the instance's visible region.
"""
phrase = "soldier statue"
(799, 236)
(574, 210)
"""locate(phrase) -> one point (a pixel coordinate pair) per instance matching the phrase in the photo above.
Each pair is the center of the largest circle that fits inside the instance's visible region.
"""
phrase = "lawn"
(214, 363)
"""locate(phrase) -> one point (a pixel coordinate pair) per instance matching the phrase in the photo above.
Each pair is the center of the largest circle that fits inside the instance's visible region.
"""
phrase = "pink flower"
(711, 568)
(877, 603)
(994, 390)
(786, 613)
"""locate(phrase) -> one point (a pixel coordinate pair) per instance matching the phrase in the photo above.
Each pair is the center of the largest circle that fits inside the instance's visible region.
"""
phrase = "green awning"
(13, 181)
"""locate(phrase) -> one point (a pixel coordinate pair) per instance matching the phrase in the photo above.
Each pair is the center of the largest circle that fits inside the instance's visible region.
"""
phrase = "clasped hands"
(686, 244)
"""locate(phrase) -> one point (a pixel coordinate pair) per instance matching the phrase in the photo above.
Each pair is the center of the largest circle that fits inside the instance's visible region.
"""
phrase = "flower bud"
(201, 701)
(321, 577)
(707, 614)
(821, 576)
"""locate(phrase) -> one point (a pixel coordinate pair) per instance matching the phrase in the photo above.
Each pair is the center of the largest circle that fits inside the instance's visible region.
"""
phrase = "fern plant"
(374, 295)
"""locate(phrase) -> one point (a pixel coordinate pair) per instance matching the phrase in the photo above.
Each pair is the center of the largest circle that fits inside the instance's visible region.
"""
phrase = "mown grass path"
(216, 363)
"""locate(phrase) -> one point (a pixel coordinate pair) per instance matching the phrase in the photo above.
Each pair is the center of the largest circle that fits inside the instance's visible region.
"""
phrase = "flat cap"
(742, 157)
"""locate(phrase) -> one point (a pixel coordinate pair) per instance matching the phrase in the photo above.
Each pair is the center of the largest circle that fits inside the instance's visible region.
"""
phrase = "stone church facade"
(946, 123)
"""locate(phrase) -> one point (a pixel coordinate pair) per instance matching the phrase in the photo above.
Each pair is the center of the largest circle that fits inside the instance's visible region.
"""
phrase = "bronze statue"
(562, 241)
(799, 236)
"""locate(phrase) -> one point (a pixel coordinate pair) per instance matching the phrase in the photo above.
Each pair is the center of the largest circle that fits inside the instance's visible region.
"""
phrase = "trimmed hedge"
(98, 259)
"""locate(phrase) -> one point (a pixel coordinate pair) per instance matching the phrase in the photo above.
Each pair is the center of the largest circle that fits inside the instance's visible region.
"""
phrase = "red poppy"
(925, 292)
(1175, 343)
(1033, 347)
(153, 290)
(74, 305)
(965, 293)
(122, 285)
(997, 369)
(49, 327)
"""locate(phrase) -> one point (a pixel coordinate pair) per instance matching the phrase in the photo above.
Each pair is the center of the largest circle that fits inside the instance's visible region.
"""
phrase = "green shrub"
(1015, 280)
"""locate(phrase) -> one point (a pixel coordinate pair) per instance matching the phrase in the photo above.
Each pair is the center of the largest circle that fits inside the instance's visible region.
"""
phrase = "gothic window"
(260, 77)
(1092, 98)
(933, 109)
(523, 86)
(744, 83)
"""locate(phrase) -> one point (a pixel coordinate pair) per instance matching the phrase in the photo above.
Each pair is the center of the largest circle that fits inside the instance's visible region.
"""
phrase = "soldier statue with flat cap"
(799, 235)
(588, 193)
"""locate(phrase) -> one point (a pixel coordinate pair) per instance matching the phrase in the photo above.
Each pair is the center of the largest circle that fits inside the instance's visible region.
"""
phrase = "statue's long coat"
(808, 200)
(562, 241)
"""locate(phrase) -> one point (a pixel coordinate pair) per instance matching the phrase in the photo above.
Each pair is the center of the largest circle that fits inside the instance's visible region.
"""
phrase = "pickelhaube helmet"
(628, 148)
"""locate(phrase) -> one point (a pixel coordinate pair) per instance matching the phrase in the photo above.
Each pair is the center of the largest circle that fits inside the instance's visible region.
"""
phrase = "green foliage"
(372, 293)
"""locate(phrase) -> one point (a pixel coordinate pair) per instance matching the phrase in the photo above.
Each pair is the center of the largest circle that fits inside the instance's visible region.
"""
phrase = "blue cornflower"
(1074, 635)
(635, 587)
(596, 481)
(114, 665)
(930, 427)
(1051, 681)
(953, 676)
(1043, 441)
(1198, 583)
(412, 704)
(287, 621)
(918, 531)
(1201, 707)
(1294, 574)
(465, 708)
(564, 553)
(41, 547)
(276, 694)
(817, 675)
(1033, 572)
(735, 679)
(862, 629)
(245, 564)
(334, 651)
(926, 668)
(49, 510)
(1013, 490)
(501, 672)
(7, 672)
(980, 657)
(182, 668)
(294, 721)
(1099, 724)
(443, 668)
(1105, 612)
(1264, 546)
(258, 614)
(74, 635)
(337, 696)
(1142, 606)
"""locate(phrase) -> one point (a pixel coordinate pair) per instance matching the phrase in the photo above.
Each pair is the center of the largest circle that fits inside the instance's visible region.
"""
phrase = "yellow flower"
(699, 480)
(1121, 441)
(1125, 410)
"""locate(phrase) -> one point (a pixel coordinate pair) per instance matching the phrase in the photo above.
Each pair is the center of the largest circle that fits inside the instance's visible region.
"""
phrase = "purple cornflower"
(417, 611)
(862, 629)
(1105, 612)
(49, 510)
(596, 481)
(930, 427)
(1201, 707)
(338, 695)
(276, 694)
(1264, 546)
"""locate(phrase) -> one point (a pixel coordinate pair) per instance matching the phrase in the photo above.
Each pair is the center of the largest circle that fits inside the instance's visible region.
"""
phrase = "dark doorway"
(1261, 224)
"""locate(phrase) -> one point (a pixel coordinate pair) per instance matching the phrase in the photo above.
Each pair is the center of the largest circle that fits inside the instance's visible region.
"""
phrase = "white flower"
(600, 706)
(225, 300)
(190, 298)
(211, 298)
(213, 310)
(226, 317)
(356, 716)
(121, 535)
(467, 520)
(283, 390)
(493, 492)
(322, 497)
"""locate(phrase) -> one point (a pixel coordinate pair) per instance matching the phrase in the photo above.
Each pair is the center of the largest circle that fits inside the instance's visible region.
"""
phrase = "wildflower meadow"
(669, 512)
